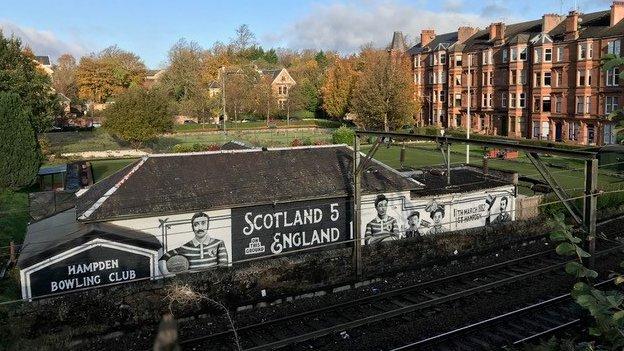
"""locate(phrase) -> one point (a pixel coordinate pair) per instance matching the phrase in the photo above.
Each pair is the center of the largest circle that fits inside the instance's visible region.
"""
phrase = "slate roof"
(271, 73)
(179, 183)
(60, 232)
(44, 60)
(463, 179)
(592, 25)
(397, 43)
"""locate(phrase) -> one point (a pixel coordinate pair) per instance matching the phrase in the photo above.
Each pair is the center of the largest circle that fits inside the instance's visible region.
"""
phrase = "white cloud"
(42, 42)
(345, 27)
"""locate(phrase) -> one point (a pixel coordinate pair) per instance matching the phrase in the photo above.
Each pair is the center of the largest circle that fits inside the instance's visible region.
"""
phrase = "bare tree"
(244, 38)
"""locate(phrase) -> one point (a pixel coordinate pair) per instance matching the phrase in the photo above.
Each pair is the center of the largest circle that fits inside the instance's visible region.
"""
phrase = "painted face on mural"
(438, 216)
(414, 221)
(503, 204)
(200, 226)
(382, 208)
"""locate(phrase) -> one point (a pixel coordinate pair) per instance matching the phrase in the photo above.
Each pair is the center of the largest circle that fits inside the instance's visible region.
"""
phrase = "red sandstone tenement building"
(539, 79)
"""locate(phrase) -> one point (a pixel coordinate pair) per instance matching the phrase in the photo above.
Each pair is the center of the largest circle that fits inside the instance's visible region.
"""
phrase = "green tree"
(183, 78)
(19, 74)
(139, 115)
(20, 152)
(383, 96)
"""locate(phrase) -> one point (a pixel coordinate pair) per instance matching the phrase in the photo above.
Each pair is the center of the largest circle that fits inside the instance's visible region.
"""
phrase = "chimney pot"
(497, 32)
(550, 21)
(571, 26)
(464, 33)
(427, 36)
(617, 12)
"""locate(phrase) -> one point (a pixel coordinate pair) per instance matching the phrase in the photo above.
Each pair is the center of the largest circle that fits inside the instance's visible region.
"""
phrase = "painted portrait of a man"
(200, 253)
(383, 227)
(414, 226)
(503, 214)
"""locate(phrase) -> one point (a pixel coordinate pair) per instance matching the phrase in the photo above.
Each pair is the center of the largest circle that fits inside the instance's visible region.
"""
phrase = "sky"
(150, 28)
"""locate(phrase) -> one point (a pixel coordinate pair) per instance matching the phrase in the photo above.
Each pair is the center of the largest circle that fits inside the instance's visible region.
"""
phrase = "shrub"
(20, 156)
(139, 115)
(343, 135)
(195, 147)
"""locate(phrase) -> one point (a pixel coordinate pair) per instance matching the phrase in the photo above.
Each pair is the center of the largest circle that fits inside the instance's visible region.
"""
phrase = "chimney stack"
(427, 36)
(617, 12)
(464, 33)
(497, 32)
(550, 21)
(572, 26)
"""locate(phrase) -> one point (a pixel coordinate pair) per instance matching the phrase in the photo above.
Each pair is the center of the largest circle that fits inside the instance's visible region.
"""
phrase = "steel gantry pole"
(357, 206)
(469, 122)
(590, 202)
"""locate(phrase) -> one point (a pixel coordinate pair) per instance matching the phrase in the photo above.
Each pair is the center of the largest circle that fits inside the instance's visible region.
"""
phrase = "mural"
(396, 216)
(199, 253)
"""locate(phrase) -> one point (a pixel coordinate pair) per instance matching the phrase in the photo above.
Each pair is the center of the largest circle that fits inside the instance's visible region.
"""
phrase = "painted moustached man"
(382, 227)
(503, 215)
(202, 252)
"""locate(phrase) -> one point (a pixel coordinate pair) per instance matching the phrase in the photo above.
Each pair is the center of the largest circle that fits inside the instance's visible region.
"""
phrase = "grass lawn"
(97, 140)
(423, 155)
(13, 220)
(100, 140)
(260, 124)
(268, 138)
(104, 168)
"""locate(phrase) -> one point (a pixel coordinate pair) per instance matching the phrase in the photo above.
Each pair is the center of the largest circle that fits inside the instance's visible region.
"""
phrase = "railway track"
(525, 325)
(312, 324)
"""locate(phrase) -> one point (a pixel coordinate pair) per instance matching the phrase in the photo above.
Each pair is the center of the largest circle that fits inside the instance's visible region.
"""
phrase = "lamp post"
(223, 97)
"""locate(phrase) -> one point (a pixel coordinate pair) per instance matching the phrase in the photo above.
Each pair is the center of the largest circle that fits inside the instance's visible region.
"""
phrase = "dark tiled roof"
(181, 183)
(462, 180)
(271, 73)
(60, 232)
(447, 39)
(44, 60)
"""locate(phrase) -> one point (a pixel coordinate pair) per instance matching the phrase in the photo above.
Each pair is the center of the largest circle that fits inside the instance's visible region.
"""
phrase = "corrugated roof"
(179, 183)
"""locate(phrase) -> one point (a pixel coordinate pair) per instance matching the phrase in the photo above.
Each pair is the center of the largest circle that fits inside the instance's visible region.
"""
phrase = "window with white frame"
(546, 104)
(548, 55)
(491, 78)
(581, 78)
(547, 79)
(431, 59)
(523, 76)
(580, 104)
(505, 54)
(416, 60)
(536, 129)
(512, 100)
(458, 79)
(514, 54)
(536, 104)
(613, 77)
(430, 77)
(613, 47)
(504, 100)
(434, 96)
(522, 100)
(611, 104)
(458, 60)
(537, 78)
(523, 54)
(609, 134)
(458, 99)
(545, 130)
(442, 96)
(560, 54)
(573, 130)
(558, 78)
(443, 77)
(558, 99)
(537, 55)
(513, 77)
(585, 51)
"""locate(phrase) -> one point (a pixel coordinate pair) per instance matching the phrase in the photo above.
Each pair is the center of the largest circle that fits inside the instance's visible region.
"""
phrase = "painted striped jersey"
(380, 229)
(200, 255)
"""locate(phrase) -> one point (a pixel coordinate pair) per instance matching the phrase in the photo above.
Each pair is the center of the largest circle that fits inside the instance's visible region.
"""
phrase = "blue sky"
(149, 28)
